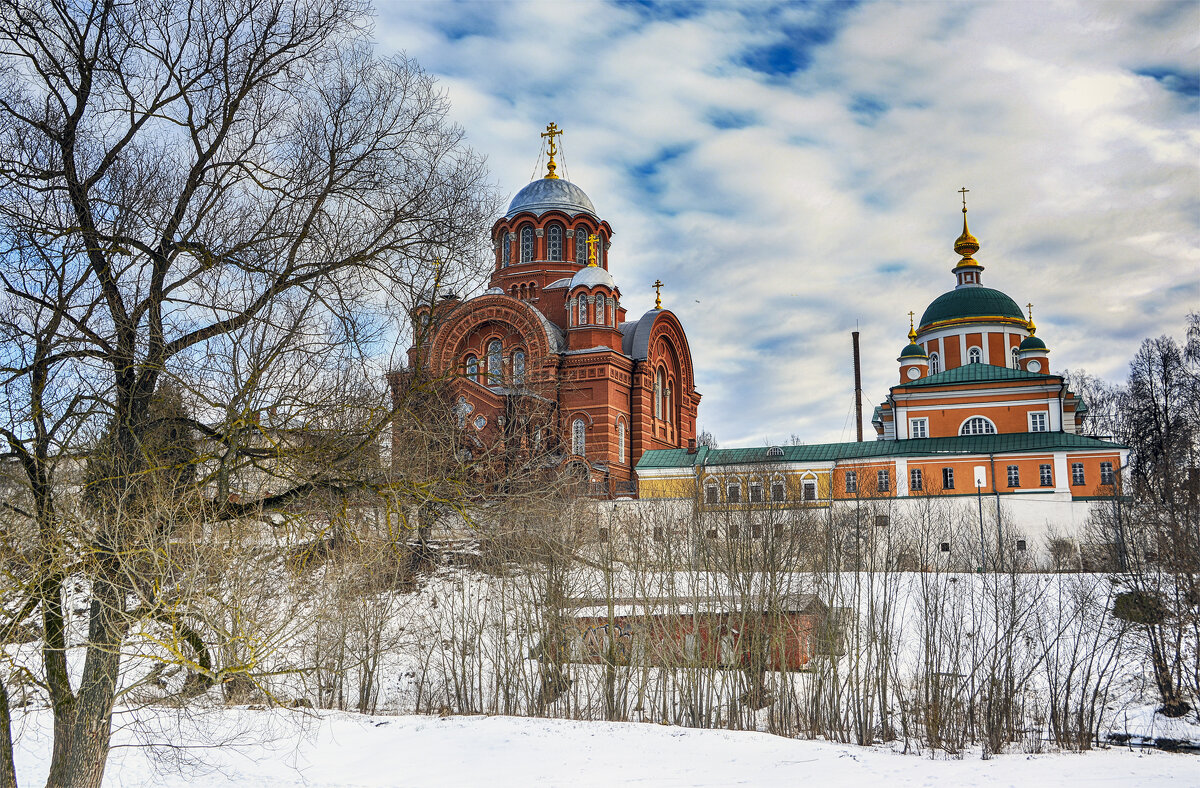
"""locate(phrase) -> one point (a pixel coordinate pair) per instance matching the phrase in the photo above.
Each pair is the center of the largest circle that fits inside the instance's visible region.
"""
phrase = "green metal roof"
(916, 447)
(913, 350)
(1032, 342)
(970, 302)
(977, 373)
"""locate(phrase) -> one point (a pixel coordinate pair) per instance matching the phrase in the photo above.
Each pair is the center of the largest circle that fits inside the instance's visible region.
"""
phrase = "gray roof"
(550, 194)
(635, 335)
(592, 275)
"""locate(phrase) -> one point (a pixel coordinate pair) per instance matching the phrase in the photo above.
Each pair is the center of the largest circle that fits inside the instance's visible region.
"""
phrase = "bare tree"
(219, 199)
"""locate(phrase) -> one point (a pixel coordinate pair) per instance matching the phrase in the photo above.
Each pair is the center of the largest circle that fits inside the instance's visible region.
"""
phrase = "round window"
(1034, 366)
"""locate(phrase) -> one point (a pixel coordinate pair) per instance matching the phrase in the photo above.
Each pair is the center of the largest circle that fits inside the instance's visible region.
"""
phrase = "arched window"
(526, 244)
(1016, 357)
(600, 307)
(621, 441)
(977, 425)
(658, 395)
(581, 247)
(578, 430)
(935, 364)
(472, 368)
(612, 311)
(668, 405)
(505, 250)
(518, 368)
(974, 356)
(583, 310)
(495, 362)
(554, 239)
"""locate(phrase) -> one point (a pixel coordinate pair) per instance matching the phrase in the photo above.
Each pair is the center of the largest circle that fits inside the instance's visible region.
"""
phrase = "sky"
(791, 171)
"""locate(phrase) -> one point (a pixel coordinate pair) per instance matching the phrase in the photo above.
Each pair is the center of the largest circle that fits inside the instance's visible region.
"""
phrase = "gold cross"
(963, 191)
(552, 131)
(1029, 306)
(658, 286)
(591, 243)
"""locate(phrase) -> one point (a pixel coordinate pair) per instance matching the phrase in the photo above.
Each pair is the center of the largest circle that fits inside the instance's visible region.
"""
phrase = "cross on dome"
(552, 131)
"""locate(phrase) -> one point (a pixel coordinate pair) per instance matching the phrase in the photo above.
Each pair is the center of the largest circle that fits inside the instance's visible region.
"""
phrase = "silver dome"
(593, 275)
(550, 194)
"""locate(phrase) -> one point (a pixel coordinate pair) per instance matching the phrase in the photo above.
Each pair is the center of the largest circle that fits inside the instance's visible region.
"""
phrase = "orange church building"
(974, 410)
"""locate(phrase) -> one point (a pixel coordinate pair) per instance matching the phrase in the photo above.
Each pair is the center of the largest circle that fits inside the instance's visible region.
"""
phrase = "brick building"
(547, 358)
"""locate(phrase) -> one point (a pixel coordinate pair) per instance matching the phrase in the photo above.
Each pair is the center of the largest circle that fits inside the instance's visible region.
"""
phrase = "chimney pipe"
(857, 389)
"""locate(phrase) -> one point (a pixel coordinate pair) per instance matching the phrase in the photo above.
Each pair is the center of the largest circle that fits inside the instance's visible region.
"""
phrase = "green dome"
(913, 350)
(1033, 343)
(967, 302)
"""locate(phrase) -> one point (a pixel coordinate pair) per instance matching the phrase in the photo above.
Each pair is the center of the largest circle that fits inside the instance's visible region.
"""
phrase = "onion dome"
(972, 302)
(912, 349)
(592, 275)
(1031, 342)
(550, 194)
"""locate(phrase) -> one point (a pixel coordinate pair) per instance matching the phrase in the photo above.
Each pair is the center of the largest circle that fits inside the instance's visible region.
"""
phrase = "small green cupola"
(1033, 355)
(914, 361)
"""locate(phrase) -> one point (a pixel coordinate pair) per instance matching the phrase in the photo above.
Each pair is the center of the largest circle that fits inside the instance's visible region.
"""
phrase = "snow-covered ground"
(288, 749)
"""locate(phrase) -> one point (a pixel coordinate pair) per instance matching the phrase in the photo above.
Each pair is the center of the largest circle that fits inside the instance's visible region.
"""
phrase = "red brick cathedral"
(546, 361)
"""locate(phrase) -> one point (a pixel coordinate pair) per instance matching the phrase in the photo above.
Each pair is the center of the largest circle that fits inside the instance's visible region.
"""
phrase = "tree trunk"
(92, 726)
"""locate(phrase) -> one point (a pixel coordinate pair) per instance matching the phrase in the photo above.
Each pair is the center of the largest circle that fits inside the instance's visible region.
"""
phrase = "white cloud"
(785, 209)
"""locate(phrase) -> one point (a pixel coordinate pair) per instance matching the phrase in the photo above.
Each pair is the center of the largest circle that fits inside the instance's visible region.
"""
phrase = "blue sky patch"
(731, 119)
(1183, 83)
(796, 51)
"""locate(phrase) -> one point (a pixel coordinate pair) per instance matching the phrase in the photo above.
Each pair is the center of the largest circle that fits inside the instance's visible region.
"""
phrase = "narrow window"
(977, 425)
(915, 480)
(883, 480)
(554, 238)
(756, 492)
(1046, 475)
(711, 494)
(756, 531)
(505, 250)
(935, 364)
(583, 310)
(974, 356)
(526, 244)
(658, 394)
(518, 363)
(495, 363)
(1014, 476)
(1021, 545)
(733, 493)
(668, 405)
(577, 437)
(472, 368)
(778, 491)
(600, 306)
(581, 246)
(918, 428)
(947, 478)
(1106, 473)
(810, 491)
(945, 547)
(621, 442)
(1016, 358)
(1077, 473)
(1038, 422)
(851, 482)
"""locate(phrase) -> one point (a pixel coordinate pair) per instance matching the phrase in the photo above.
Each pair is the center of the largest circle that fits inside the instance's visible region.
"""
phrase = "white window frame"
(948, 476)
(991, 424)
(883, 480)
(554, 242)
(916, 479)
(810, 484)
(712, 492)
(920, 425)
(733, 490)
(1046, 474)
(935, 363)
(781, 484)
(1044, 421)
(972, 352)
(1013, 473)
(528, 250)
(1106, 470)
(756, 486)
(851, 482)
(1078, 474)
